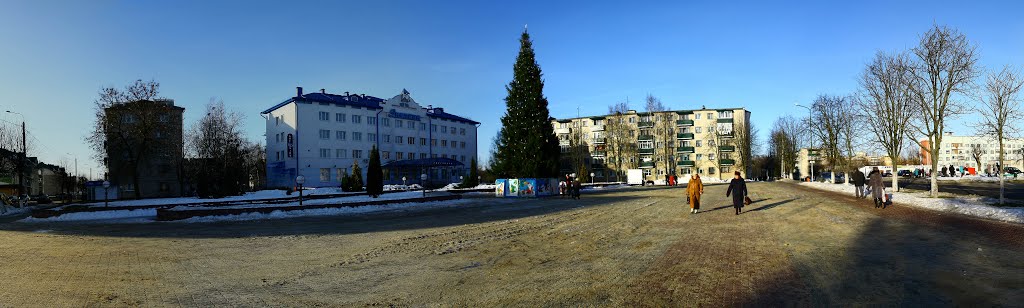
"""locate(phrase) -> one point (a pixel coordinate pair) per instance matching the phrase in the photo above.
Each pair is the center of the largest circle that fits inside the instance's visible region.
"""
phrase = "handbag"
(746, 200)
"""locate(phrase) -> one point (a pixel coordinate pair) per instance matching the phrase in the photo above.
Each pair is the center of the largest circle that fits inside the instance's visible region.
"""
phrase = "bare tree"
(886, 103)
(1001, 113)
(829, 115)
(664, 132)
(785, 142)
(216, 144)
(620, 144)
(579, 151)
(129, 125)
(944, 66)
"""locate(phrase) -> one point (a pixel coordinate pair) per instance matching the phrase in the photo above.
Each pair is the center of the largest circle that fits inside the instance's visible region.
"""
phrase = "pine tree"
(356, 181)
(374, 175)
(528, 146)
(471, 180)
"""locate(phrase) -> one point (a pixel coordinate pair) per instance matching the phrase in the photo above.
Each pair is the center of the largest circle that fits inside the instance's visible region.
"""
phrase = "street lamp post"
(403, 182)
(423, 181)
(106, 186)
(300, 180)
(809, 162)
(591, 178)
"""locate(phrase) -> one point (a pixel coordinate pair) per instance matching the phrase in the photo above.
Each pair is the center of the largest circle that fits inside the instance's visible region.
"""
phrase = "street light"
(403, 181)
(591, 178)
(300, 180)
(423, 181)
(76, 175)
(809, 162)
(106, 185)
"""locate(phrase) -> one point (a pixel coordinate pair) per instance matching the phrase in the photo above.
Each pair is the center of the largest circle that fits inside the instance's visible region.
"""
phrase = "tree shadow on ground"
(479, 210)
(769, 206)
(906, 257)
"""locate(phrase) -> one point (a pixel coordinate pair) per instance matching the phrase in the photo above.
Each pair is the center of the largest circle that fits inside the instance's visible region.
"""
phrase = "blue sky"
(55, 55)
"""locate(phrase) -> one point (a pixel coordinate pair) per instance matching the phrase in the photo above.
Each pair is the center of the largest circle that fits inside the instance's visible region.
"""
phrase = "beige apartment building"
(709, 142)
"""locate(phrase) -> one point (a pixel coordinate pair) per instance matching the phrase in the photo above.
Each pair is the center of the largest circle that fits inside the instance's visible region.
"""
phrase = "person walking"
(576, 189)
(877, 186)
(693, 191)
(858, 184)
(738, 188)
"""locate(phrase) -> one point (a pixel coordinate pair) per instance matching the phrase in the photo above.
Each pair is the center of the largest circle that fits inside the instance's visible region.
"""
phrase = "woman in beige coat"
(693, 191)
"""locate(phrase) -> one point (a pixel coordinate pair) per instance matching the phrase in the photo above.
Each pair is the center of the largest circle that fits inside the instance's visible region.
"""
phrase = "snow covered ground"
(256, 195)
(967, 205)
(972, 178)
(149, 215)
(340, 200)
(456, 186)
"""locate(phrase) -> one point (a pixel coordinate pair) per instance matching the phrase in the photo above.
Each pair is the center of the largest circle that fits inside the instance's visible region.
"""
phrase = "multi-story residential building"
(675, 142)
(320, 135)
(961, 151)
(145, 138)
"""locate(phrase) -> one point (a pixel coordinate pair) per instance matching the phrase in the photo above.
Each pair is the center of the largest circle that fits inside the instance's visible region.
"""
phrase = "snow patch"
(966, 205)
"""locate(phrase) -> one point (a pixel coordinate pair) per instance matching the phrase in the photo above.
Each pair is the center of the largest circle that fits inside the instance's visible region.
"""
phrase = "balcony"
(729, 135)
(726, 162)
(645, 137)
(597, 128)
(598, 153)
(597, 166)
(599, 140)
(645, 124)
(645, 151)
(685, 136)
(684, 150)
(563, 131)
(646, 164)
(729, 120)
(685, 163)
(727, 148)
(684, 122)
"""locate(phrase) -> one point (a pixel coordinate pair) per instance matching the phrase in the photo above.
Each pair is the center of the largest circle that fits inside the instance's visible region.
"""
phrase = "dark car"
(41, 199)
(887, 174)
(904, 173)
(1011, 171)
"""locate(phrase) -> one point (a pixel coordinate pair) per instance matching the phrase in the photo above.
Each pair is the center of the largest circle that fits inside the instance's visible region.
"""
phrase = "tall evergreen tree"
(527, 146)
(374, 175)
(471, 180)
(356, 181)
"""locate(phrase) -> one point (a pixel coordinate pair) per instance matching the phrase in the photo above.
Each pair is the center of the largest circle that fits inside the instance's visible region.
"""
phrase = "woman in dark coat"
(738, 189)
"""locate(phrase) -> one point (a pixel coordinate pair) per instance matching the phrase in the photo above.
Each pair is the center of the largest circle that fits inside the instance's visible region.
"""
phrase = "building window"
(711, 156)
(462, 131)
(423, 141)
(433, 127)
(340, 117)
(444, 143)
(463, 144)
(699, 156)
(711, 170)
(412, 140)
(339, 153)
(386, 122)
(164, 118)
(463, 158)
(696, 116)
(325, 116)
(725, 115)
(371, 121)
(399, 139)
(340, 135)
(357, 153)
(387, 138)
(453, 130)
(357, 136)
(725, 169)
(371, 137)
(423, 155)
(385, 155)
(340, 173)
(356, 118)
(398, 123)
(399, 155)
(423, 126)
(444, 129)
(433, 142)
(454, 145)
(325, 175)
(325, 134)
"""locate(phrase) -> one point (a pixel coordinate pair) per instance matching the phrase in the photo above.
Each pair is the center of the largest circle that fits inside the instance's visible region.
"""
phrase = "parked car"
(904, 173)
(827, 176)
(1011, 171)
(887, 174)
(41, 199)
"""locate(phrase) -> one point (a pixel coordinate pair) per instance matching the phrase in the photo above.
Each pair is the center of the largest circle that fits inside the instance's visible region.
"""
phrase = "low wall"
(166, 214)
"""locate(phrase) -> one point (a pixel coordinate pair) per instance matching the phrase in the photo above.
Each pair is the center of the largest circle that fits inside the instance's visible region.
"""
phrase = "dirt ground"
(633, 247)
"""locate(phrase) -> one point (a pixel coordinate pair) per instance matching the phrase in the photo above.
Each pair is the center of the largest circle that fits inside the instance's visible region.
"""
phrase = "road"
(1014, 190)
(634, 247)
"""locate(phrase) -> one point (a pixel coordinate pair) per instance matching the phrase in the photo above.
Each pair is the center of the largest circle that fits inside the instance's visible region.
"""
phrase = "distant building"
(155, 126)
(962, 151)
(320, 135)
(702, 141)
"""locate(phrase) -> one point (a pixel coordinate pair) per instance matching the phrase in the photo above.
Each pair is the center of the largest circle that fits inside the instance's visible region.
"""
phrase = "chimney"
(430, 108)
(322, 91)
(346, 93)
(298, 91)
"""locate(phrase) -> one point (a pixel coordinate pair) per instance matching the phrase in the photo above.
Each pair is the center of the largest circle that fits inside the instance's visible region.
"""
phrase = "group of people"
(737, 189)
(954, 171)
(570, 187)
(875, 186)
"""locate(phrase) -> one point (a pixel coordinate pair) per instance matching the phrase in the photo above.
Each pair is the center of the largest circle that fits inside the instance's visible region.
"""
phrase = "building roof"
(424, 162)
(363, 101)
(642, 113)
(440, 114)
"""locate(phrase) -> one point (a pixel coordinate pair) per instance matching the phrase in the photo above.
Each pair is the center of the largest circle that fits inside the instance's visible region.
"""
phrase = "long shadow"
(479, 211)
(770, 205)
(908, 257)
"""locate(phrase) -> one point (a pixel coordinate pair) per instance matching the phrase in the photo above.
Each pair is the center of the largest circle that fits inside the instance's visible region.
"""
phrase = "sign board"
(500, 188)
(527, 187)
(400, 115)
(513, 188)
(291, 145)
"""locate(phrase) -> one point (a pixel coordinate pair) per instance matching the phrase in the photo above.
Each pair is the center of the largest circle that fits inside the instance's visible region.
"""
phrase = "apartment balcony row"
(599, 140)
(645, 137)
(597, 128)
(684, 122)
(563, 131)
(645, 151)
(646, 164)
(727, 148)
(645, 124)
(685, 163)
(726, 162)
(685, 150)
(598, 153)
(684, 136)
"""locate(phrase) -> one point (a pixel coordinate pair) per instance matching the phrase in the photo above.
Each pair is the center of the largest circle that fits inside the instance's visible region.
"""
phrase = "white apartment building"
(700, 141)
(959, 151)
(320, 135)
